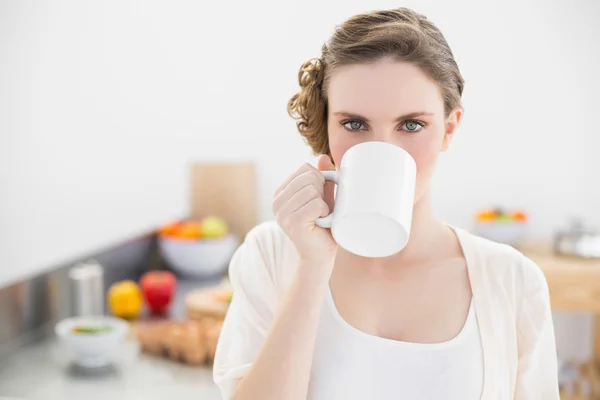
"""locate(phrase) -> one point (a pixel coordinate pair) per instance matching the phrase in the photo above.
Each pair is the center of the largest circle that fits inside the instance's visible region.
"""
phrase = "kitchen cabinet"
(574, 285)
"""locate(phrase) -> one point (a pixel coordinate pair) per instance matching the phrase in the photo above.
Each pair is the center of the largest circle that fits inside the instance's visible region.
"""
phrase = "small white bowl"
(198, 258)
(92, 350)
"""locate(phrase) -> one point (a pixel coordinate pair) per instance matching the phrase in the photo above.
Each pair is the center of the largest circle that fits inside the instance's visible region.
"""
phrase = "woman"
(451, 316)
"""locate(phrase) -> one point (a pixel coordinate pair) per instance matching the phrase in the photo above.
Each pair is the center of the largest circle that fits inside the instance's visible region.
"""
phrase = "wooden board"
(207, 303)
(228, 190)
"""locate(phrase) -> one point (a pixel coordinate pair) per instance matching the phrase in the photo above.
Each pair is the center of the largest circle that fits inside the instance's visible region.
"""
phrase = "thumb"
(325, 164)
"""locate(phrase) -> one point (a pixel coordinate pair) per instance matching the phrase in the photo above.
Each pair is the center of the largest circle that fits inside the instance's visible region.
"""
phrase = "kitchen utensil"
(87, 280)
(92, 341)
(578, 240)
(374, 199)
(198, 258)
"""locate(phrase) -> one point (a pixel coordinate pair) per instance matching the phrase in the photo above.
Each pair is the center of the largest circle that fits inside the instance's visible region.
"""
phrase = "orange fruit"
(519, 216)
(169, 229)
(190, 230)
(486, 215)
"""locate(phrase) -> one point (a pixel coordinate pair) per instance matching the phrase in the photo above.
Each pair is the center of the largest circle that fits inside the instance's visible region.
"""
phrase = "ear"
(452, 123)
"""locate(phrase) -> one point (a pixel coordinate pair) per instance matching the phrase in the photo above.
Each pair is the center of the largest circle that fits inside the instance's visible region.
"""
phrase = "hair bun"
(311, 73)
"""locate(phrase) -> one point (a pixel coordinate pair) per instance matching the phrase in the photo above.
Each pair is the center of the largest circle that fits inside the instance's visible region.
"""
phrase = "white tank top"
(349, 364)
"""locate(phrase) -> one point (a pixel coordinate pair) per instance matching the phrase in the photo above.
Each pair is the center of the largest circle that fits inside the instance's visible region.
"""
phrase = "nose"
(384, 135)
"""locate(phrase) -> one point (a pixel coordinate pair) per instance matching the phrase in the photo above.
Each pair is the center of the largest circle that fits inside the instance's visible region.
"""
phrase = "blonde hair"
(401, 34)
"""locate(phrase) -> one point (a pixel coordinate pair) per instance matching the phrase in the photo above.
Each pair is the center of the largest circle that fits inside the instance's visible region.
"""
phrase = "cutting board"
(228, 190)
(208, 303)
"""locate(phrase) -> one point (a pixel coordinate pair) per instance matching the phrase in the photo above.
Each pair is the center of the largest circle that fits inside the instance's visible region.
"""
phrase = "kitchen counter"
(41, 371)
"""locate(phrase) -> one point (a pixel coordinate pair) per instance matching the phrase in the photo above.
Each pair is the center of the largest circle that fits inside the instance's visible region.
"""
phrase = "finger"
(301, 198)
(303, 168)
(325, 164)
(308, 178)
(305, 215)
(312, 210)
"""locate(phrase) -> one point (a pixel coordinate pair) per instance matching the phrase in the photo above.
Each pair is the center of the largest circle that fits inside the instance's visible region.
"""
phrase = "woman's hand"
(299, 201)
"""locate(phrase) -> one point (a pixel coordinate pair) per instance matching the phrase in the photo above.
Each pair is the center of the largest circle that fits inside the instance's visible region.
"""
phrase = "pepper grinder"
(87, 281)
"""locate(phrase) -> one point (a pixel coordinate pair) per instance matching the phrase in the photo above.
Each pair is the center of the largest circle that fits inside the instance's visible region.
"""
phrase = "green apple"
(213, 227)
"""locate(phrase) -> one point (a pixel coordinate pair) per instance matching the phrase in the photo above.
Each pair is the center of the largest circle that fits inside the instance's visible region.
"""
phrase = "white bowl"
(198, 258)
(506, 232)
(92, 349)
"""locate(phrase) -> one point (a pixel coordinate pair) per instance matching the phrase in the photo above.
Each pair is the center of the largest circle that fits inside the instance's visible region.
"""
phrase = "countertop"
(41, 371)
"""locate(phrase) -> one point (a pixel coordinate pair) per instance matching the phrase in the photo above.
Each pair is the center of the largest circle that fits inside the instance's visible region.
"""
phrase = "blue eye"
(353, 126)
(412, 126)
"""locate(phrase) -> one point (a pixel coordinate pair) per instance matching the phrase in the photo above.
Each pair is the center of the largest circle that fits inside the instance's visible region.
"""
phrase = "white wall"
(103, 104)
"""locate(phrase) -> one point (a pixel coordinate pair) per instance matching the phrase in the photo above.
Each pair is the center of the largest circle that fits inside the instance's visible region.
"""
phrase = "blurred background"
(109, 111)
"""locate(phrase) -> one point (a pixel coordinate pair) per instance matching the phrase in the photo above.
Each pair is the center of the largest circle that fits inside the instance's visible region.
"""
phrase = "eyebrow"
(365, 119)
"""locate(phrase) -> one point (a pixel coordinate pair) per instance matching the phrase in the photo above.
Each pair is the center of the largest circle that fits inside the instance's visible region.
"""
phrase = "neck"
(426, 232)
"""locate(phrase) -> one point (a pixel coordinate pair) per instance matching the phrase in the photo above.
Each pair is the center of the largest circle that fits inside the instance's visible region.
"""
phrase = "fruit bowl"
(197, 248)
(198, 258)
(501, 226)
(510, 233)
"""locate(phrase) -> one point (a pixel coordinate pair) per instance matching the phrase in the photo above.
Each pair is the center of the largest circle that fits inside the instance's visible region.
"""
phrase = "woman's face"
(393, 102)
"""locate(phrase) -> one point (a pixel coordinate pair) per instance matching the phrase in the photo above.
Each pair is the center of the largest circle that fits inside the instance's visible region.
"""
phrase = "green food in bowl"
(91, 329)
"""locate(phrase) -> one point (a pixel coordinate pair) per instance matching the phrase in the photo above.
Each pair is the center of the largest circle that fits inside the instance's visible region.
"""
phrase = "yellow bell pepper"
(125, 299)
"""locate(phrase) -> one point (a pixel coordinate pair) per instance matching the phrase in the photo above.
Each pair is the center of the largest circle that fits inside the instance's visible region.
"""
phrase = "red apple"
(158, 288)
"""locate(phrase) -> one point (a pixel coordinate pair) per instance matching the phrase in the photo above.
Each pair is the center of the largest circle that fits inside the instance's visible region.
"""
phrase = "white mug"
(374, 199)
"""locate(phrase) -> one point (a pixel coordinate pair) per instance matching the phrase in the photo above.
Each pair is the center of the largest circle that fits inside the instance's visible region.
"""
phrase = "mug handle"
(325, 222)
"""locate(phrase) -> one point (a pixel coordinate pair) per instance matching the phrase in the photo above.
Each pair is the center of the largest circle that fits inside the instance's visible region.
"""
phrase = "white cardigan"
(510, 296)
